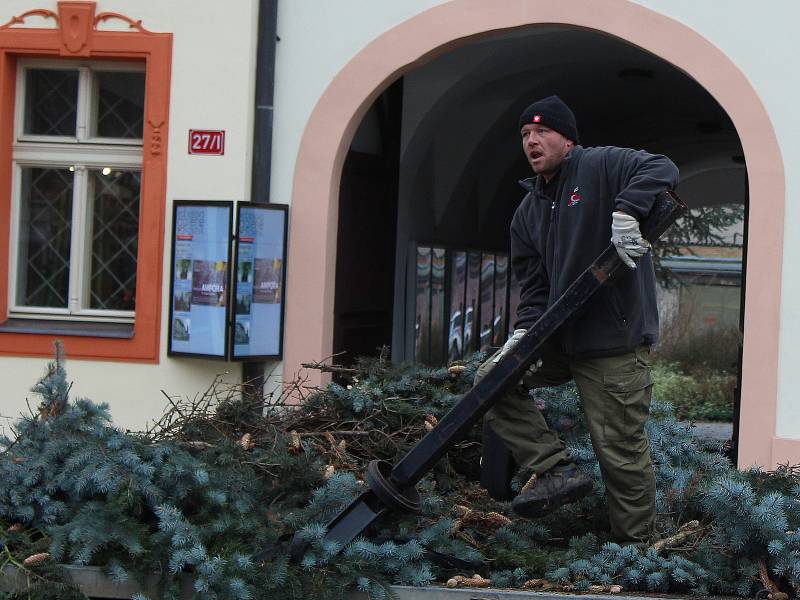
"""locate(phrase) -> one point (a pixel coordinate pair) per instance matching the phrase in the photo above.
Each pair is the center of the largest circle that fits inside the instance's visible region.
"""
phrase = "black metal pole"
(253, 372)
(456, 423)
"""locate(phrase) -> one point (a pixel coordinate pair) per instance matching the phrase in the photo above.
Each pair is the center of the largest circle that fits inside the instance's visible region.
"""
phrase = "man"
(581, 198)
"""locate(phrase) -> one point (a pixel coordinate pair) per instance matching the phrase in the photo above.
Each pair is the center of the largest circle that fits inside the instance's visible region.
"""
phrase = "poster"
(200, 270)
(259, 281)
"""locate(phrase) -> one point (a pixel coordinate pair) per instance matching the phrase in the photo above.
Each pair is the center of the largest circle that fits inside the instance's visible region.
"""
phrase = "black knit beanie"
(553, 113)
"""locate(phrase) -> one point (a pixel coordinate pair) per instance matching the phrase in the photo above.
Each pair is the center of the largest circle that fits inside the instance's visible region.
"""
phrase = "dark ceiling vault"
(460, 153)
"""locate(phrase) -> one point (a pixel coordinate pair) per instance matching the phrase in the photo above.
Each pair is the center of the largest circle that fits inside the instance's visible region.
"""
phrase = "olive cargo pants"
(615, 393)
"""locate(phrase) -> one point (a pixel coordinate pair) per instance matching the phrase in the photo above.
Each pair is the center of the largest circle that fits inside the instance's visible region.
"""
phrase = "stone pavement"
(711, 431)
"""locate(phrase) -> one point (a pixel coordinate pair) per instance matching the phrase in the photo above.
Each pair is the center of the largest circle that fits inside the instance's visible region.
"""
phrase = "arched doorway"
(432, 33)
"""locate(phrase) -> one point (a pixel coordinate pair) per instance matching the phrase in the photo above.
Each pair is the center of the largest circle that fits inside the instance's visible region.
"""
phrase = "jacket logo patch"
(574, 198)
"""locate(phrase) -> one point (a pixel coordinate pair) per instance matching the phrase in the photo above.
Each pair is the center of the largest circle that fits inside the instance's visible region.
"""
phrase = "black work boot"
(544, 493)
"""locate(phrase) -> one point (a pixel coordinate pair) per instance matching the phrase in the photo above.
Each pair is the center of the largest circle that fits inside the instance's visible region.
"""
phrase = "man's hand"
(512, 341)
(627, 238)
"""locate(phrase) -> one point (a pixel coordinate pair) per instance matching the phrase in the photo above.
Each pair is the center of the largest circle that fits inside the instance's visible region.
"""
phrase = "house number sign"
(206, 141)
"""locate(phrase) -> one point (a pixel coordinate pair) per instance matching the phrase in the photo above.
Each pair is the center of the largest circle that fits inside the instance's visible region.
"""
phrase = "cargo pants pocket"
(628, 403)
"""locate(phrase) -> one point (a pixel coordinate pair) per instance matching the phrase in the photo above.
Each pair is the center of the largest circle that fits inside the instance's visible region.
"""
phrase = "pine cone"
(474, 581)
(476, 519)
(35, 559)
(247, 442)
(537, 583)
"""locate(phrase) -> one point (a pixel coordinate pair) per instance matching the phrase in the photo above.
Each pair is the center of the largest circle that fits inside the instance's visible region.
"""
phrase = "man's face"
(544, 148)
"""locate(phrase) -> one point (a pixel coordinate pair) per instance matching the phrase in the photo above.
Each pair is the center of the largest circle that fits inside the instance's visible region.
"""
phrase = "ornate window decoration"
(83, 121)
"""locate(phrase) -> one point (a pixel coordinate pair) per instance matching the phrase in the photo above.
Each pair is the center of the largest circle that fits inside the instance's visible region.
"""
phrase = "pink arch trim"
(313, 227)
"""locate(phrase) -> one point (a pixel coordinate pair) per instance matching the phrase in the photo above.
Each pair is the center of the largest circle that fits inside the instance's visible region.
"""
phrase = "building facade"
(97, 103)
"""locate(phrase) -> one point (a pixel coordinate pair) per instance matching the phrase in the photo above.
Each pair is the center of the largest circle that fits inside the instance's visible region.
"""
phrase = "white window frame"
(81, 153)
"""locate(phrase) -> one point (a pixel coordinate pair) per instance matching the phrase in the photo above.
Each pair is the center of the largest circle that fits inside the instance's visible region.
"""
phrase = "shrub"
(707, 348)
(704, 395)
(696, 368)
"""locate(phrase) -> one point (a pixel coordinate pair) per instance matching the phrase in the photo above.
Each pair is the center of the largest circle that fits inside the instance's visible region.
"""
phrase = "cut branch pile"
(219, 483)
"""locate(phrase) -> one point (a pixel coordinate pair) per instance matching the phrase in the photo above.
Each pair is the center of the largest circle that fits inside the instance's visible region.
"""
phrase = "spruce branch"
(329, 368)
(216, 482)
(686, 531)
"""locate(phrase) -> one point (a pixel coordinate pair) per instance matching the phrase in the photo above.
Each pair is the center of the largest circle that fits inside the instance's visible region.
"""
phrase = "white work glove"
(627, 238)
(510, 343)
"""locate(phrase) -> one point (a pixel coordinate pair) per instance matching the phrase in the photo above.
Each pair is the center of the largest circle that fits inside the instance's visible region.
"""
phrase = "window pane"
(120, 104)
(45, 228)
(458, 279)
(500, 326)
(422, 318)
(487, 301)
(51, 101)
(471, 302)
(437, 305)
(115, 237)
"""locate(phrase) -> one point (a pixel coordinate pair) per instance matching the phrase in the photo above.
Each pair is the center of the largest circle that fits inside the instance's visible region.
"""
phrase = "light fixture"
(106, 171)
(71, 169)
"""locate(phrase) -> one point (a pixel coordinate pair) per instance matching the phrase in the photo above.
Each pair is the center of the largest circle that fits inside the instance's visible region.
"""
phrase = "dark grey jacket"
(553, 243)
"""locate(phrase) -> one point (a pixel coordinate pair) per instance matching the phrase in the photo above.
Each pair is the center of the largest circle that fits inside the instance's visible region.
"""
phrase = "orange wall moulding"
(75, 35)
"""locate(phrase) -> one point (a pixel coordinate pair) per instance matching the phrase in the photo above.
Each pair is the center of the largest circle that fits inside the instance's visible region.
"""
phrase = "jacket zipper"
(554, 225)
(554, 228)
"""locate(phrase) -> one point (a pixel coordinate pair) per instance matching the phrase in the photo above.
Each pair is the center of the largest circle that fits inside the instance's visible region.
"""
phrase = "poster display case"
(259, 281)
(199, 280)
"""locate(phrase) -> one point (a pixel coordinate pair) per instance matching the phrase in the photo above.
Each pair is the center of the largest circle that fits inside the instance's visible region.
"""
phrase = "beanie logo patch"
(537, 118)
